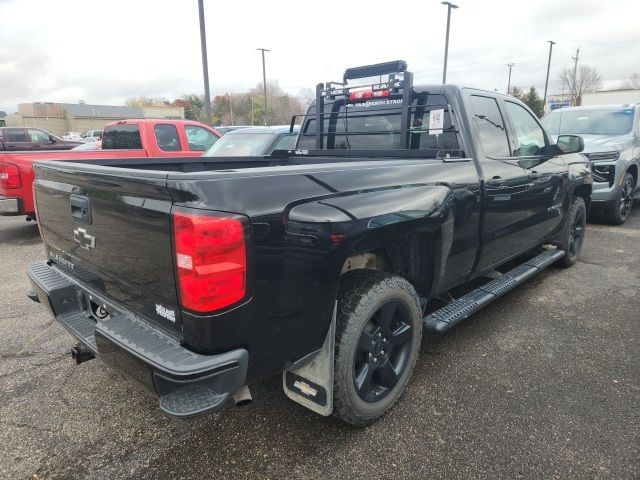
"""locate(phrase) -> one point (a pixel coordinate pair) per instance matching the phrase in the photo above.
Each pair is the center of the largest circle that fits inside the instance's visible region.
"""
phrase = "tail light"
(368, 95)
(9, 176)
(211, 260)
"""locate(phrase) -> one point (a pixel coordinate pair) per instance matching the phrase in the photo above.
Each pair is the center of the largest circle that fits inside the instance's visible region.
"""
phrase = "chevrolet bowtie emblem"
(85, 240)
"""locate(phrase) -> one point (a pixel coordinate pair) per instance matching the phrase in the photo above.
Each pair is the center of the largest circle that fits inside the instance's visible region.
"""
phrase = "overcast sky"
(103, 52)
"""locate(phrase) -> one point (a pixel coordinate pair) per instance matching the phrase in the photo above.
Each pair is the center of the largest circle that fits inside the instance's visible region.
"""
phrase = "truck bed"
(290, 158)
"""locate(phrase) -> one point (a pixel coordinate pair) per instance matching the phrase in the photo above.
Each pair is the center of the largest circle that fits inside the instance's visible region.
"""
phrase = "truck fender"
(352, 223)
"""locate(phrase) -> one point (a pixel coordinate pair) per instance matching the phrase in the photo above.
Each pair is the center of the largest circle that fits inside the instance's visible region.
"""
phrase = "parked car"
(121, 139)
(13, 139)
(254, 141)
(612, 143)
(72, 136)
(97, 145)
(91, 136)
(199, 278)
(223, 130)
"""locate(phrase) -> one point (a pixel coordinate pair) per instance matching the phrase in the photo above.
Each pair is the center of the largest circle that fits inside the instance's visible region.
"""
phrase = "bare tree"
(633, 82)
(248, 107)
(585, 80)
(144, 101)
(306, 96)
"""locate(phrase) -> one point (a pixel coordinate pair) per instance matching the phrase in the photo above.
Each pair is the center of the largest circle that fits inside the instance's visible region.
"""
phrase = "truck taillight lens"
(211, 260)
(9, 176)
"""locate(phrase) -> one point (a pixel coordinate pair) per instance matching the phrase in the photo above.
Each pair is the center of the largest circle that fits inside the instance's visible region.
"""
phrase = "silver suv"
(611, 136)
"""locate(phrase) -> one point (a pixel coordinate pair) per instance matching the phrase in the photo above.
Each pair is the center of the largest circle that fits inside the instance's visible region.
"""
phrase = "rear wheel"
(621, 207)
(378, 334)
(573, 235)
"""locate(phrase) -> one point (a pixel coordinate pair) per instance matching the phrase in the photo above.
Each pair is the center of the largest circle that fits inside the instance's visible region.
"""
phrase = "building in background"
(611, 97)
(60, 118)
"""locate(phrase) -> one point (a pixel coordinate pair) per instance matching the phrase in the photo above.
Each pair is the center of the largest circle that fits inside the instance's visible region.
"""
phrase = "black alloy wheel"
(383, 351)
(626, 198)
(576, 232)
(378, 333)
(620, 208)
(573, 232)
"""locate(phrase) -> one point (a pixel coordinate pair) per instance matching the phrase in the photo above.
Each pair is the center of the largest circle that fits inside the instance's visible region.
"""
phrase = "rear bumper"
(10, 206)
(186, 383)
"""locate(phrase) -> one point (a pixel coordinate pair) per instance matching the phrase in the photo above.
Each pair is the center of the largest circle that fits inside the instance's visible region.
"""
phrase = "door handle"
(81, 208)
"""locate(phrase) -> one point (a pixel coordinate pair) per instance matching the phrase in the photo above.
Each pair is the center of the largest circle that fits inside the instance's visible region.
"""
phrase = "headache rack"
(393, 93)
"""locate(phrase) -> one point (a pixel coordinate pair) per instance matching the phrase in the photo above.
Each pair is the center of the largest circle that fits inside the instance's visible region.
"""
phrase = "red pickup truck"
(121, 139)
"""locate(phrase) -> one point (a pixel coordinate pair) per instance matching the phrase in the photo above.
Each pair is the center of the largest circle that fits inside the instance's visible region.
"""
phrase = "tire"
(621, 207)
(378, 335)
(574, 230)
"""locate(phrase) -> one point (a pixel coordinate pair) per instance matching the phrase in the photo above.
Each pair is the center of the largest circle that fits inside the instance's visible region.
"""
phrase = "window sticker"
(436, 121)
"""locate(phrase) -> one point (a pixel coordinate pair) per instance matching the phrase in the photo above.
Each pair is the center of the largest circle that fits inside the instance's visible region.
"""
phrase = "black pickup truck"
(403, 208)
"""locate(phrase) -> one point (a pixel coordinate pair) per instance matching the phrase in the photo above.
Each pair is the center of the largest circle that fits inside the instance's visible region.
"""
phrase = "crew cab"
(121, 139)
(403, 208)
(13, 139)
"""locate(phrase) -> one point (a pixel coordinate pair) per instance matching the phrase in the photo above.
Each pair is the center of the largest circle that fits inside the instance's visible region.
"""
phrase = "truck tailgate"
(112, 231)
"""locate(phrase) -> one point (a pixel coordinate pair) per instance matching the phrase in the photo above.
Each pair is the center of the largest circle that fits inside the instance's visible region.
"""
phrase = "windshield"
(240, 145)
(600, 121)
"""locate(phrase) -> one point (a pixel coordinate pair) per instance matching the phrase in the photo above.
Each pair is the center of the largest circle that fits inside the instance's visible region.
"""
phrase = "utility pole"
(450, 6)
(231, 108)
(510, 65)
(546, 82)
(574, 87)
(264, 82)
(205, 64)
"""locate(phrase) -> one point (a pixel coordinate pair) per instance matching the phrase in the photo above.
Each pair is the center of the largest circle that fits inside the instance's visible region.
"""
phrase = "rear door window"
(491, 130)
(15, 135)
(167, 137)
(122, 137)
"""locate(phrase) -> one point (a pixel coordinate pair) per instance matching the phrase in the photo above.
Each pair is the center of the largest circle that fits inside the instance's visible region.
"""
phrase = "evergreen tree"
(534, 102)
(516, 92)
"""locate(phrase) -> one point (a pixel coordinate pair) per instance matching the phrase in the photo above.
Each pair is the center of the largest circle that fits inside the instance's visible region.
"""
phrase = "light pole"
(264, 82)
(205, 65)
(446, 42)
(510, 65)
(546, 82)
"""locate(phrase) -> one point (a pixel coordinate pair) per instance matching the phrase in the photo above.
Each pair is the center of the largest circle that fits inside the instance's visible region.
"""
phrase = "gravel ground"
(543, 383)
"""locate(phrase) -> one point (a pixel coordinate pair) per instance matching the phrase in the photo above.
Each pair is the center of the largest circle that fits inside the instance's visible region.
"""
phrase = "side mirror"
(52, 139)
(570, 143)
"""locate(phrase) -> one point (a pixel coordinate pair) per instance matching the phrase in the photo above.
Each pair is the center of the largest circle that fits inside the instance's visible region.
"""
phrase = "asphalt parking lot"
(544, 383)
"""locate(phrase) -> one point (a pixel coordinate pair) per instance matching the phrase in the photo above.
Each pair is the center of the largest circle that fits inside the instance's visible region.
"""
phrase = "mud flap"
(311, 385)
